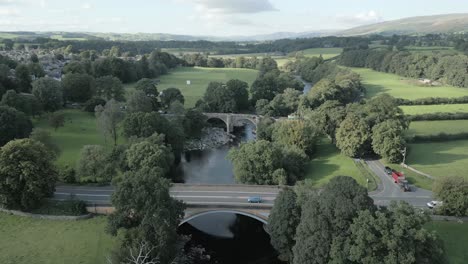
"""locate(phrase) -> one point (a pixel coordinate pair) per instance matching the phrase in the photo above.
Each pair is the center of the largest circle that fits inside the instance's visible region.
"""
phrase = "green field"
(200, 78)
(449, 158)
(326, 53)
(437, 127)
(427, 109)
(25, 240)
(455, 237)
(378, 82)
(433, 49)
(328, 163)
(80, 129)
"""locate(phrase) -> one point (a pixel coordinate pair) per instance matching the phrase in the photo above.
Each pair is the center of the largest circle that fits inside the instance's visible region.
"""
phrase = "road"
(389, 191)
(192, 195)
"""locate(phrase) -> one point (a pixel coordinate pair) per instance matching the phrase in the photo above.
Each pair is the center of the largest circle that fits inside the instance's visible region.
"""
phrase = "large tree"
(23, 76)
(453, 192)
(148, 87)
(108, 118)
(282, 223)
(109, 87)
(49, 93)
(353, 137)
(13, 125)
(43, 136)
(139, 102)
(147, 213)
(23, 187)
(268, 85)
(388, 140)
(170, 95)
(78, 87)
(194, 122)
(396, 235)
(326, 219)
(150, 153)
(92, 164)
(297, 133)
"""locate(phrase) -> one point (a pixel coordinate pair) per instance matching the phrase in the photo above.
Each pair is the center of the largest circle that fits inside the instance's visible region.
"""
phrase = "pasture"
(25, 240)
(438, 159)
(326, 53)
(200, 78)
(455, 237)
(427, 109)
(80, 129)
(400, 87)
(328, 162)
(437, 127)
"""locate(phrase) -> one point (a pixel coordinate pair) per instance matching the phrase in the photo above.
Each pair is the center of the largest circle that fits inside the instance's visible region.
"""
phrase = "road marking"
(176, 196)
(173, 191)
(83, 194)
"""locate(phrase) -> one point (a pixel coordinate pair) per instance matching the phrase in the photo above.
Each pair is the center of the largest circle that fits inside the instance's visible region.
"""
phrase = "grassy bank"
(378, 82)
(24, 240)
(437, 127)
(455, 237)
(328, 163)
(440, 158)
(427, 109)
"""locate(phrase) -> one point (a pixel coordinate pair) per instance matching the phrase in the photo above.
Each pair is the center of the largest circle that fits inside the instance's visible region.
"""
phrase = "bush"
(433, 101)
(436, 138)
(92, 103)
(67, 175)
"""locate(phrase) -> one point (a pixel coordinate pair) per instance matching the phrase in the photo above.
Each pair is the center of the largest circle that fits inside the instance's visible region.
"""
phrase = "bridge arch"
(226, 123)
(262, 219)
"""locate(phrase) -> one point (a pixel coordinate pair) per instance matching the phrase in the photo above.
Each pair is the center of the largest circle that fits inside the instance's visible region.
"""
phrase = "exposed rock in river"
(212, 137)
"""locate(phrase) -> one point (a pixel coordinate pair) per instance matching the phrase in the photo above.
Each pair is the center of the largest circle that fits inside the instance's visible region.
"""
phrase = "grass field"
(328, 163)
(427, 109)
(25, 240)
(200, 78)
(439, 159)
(80, 129)
(437, 127)
(326, 53)
(433, 49)
(378, 82)
(455, 237)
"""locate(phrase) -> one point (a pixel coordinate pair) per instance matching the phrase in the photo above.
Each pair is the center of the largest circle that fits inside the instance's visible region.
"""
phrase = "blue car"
(254, 199)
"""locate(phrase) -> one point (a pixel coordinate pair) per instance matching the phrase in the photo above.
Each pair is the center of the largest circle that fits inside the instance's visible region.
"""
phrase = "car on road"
(388, 170)
(433, 204)
(254, 199)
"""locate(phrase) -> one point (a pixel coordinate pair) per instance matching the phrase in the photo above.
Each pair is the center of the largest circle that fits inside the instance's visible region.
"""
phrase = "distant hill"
(449, 23)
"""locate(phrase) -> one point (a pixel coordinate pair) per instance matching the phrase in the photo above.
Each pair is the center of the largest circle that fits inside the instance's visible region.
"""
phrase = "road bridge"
(232, 119)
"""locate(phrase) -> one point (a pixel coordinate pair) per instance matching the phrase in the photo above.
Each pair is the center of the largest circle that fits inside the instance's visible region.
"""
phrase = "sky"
(211, 17)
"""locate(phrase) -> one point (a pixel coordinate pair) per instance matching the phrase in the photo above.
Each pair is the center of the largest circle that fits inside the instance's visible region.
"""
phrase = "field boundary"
(416, 171)
(47, 217)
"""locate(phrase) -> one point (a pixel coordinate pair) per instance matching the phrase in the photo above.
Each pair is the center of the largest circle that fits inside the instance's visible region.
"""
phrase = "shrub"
(67, 175)
(91, 104)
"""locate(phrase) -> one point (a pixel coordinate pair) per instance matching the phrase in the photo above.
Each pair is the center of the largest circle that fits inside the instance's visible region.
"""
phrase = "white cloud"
(86, 6)
(233, 6)
(4, 11)
(363, 18)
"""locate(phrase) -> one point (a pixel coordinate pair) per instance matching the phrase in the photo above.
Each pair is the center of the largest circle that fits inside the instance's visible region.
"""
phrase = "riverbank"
(212, 137)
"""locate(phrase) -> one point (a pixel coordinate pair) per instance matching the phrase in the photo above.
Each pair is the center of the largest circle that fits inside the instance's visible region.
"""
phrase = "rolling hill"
(448, 23)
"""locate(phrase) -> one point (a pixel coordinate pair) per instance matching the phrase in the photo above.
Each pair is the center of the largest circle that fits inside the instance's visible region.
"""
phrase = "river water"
(211, 166)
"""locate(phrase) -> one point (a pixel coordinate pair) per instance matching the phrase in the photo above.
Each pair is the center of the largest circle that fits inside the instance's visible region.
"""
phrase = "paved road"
(390, 191)
(236, 195)
(201, 195)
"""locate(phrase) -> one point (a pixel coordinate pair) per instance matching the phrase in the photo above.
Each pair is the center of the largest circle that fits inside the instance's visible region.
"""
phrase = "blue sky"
(211, 17)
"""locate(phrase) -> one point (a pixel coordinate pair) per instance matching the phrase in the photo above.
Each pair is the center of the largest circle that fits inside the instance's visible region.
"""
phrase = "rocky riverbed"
(212, 137)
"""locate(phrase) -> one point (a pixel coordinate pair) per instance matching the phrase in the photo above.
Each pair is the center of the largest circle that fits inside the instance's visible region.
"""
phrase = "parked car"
(388, 170)
(433, 204)
(254, 199)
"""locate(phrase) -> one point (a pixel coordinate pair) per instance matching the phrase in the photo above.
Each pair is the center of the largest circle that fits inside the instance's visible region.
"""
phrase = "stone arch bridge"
(232, 119)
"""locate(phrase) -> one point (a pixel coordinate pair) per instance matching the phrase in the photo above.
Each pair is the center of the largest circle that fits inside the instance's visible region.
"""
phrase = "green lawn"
(328, 163)
(25, 240)
(427, 109)
(437, 127)
(200, 78)
(326, 53)
(80, 129)
(378, 82)
(439, 159)
(455, 237)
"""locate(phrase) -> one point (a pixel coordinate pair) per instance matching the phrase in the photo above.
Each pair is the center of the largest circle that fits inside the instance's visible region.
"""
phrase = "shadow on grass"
(374, 89)
(433, 153)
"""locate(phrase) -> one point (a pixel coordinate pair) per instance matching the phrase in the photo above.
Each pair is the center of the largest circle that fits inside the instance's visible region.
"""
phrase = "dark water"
(211, 165)
(229, 238)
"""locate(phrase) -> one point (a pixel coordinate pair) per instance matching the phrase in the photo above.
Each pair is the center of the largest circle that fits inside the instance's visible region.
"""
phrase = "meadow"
(326, 53)
(80, 129)
(437, 127)
(427, 109)
(438, 159)
(400, 87)
(25, 240)
(455, 237)
(200, 78)
(328, 162)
